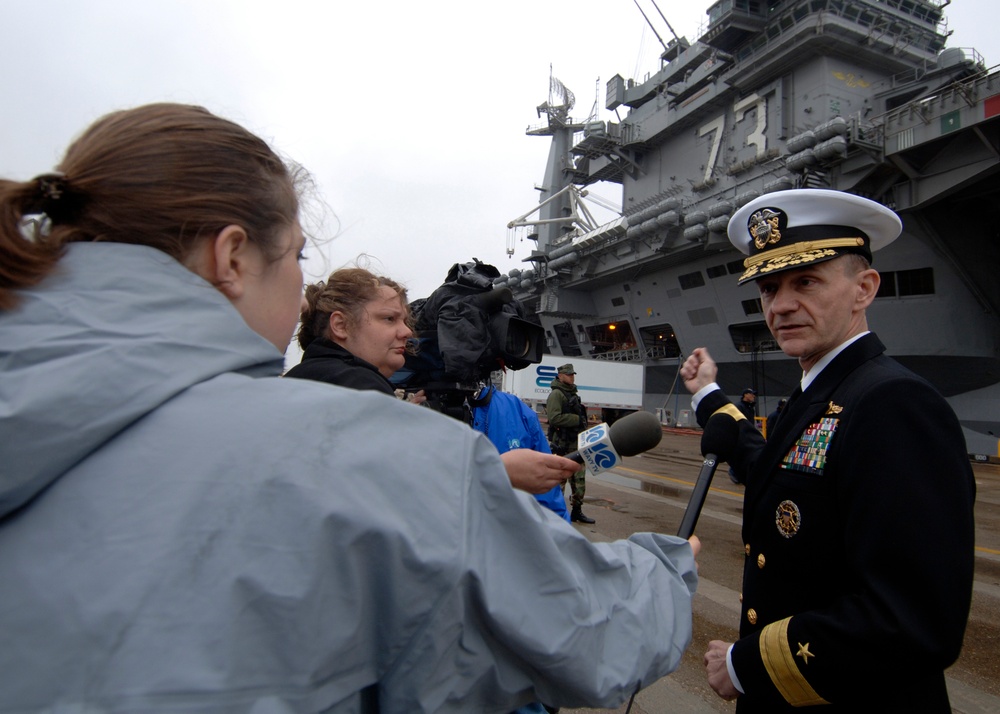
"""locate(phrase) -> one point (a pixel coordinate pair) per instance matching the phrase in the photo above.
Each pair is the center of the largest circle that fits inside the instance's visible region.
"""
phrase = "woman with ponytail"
(182, 530)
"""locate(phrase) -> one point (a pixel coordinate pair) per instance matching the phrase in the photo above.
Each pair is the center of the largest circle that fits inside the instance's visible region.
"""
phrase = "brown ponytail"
(161, 175)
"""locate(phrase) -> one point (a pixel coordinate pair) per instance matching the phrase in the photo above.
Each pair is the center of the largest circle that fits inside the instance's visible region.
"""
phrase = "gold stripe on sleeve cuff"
(731, 410)
(780, 665)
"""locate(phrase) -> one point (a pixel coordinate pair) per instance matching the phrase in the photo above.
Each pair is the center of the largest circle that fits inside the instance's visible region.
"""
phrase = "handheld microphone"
(602, 447)
(717, 443)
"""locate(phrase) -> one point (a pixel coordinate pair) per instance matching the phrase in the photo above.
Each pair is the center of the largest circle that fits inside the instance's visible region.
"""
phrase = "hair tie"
(55, 197)
(51, 187)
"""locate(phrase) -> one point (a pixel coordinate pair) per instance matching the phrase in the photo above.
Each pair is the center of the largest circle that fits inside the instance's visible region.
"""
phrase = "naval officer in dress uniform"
(858, 514)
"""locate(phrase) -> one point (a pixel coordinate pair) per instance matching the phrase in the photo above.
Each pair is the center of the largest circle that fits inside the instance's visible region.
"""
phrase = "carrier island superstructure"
(857, 95)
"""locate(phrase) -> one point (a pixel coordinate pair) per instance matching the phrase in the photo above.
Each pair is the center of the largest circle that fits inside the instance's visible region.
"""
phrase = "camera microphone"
(492, 300)
(602, 447)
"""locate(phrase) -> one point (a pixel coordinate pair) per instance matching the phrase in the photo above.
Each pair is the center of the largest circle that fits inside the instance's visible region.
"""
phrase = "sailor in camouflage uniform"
(858, 513)
(567, 417)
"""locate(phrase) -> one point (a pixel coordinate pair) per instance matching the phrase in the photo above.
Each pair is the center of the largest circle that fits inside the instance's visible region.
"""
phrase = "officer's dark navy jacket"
(858, 533)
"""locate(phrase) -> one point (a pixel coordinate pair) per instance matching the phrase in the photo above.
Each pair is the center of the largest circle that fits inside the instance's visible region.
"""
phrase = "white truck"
(609, 390)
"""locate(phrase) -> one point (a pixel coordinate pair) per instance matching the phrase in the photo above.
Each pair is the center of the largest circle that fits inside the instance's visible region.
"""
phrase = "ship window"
(915, 282)
(735, 266)
(611, 337)
(717, 271)
(660, 341)
(752, 337)
(905, 283)
(752, 307)
(887, 288)
(691, 280)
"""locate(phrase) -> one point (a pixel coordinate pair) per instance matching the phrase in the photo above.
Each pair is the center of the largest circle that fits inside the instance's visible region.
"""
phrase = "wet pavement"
(651, 492)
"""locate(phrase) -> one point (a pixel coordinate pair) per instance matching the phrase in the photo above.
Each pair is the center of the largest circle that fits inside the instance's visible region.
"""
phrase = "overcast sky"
(411, 116)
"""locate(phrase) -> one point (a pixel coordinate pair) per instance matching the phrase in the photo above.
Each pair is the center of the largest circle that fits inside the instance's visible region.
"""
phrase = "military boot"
(576, 515)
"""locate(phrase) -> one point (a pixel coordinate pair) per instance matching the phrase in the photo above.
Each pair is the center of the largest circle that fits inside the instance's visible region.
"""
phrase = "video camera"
(465, 330)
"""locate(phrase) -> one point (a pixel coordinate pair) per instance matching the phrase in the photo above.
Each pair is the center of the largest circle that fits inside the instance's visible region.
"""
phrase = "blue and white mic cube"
(595, 447)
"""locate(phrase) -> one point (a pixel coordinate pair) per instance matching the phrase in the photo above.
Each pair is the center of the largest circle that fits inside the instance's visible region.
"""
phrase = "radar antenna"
(561, 101)
(559, 94)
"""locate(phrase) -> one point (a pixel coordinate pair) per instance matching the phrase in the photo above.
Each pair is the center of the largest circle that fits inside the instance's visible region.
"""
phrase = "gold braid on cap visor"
(808, 251)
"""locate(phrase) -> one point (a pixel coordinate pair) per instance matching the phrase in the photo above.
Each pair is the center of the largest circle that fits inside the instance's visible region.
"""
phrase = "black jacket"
(859, 542)
(326, 361)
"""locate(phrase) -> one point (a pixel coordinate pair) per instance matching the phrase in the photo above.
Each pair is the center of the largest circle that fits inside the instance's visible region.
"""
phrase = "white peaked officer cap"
(791, 229)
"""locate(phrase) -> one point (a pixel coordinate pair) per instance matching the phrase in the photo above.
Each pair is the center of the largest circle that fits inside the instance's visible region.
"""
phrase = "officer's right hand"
(699, 370)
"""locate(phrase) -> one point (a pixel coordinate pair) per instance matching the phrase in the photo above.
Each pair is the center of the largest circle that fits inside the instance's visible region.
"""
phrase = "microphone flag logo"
(595, 447)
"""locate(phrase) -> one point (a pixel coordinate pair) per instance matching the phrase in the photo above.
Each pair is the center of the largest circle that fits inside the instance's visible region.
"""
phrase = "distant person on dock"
(748, 403)
(567, 417)
(858, 519)
(772, 418)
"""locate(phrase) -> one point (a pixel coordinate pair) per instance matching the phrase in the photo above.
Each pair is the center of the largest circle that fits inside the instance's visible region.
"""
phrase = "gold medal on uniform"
(788, 518)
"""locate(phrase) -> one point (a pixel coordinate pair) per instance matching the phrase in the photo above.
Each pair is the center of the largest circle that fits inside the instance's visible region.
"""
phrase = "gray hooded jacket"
(181, 530)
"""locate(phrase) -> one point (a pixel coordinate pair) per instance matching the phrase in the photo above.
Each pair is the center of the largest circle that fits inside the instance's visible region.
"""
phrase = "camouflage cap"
(567, 369)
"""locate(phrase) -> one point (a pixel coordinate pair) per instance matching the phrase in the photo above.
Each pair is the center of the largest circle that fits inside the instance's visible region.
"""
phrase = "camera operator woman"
(183, 530)
(354, 331)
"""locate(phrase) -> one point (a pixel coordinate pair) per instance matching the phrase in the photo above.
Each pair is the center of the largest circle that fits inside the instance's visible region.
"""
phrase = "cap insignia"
(788, 518)
(764, 226)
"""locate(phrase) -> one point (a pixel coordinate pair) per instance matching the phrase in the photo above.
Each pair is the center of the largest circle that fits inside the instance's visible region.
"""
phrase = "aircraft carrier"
(856, 95)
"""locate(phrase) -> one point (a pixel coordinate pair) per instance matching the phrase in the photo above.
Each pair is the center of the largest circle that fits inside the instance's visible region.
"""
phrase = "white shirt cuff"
(700, 394)
(732, 672)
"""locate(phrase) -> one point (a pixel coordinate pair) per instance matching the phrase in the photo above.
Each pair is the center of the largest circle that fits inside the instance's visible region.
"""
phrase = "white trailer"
(611, 389)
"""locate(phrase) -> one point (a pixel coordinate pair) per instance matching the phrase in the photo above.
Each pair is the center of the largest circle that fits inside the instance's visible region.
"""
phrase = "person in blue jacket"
(510, 425)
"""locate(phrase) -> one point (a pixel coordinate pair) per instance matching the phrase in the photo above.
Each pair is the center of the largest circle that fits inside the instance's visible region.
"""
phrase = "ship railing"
(970, 56)
(630, 354)
(749, 348)
(575, 124)
(814, 11)
(969, 89)
(872, 132)
(637, 354)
